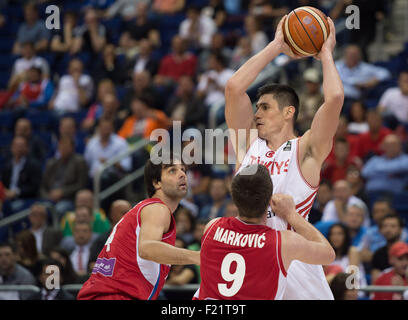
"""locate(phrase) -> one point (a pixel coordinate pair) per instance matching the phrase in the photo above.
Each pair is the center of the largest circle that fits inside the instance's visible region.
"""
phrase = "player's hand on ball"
(282, 205)
(330, 43)
(280, 41)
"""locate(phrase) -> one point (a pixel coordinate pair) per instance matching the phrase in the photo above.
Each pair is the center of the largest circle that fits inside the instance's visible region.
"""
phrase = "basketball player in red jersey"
(294, 162)
(260, 255)
(136, 258)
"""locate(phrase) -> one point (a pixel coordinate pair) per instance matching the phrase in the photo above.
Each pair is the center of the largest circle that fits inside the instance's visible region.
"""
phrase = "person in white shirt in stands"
(212, 83)
(335, 210)
(74, 89)
(104, 146)
(197, 28)
(357, 75)
(394, 101)
(82, 233)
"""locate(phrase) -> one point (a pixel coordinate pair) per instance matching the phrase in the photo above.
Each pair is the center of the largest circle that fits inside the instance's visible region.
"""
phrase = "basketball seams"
(292, 42)
(319, 20)
(307, 33)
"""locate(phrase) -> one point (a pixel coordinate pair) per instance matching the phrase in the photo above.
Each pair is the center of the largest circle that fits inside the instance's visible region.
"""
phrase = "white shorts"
(306, 282)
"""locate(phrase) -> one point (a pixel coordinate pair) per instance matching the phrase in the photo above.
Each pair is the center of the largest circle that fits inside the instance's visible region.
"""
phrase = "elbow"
(330, 255)
(336, 98)
(232, 85)
(143, 252)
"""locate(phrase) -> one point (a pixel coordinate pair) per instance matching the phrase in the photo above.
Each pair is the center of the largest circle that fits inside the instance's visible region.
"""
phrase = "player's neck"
(275, 140)
(261, 220)
(171, 203)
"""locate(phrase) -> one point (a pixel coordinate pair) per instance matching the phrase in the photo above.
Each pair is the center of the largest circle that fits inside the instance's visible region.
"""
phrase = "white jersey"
(304, 281)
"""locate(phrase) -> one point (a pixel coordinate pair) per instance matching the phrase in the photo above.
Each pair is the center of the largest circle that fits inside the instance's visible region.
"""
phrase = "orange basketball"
(305, 29)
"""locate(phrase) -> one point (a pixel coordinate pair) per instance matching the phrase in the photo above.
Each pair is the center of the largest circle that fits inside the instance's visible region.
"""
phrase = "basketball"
(305, 30)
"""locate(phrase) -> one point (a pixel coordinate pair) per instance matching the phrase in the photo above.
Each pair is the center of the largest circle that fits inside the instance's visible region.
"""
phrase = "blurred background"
(78, 105)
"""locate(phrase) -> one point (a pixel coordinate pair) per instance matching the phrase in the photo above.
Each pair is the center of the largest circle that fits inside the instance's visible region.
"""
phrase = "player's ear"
(289, 112)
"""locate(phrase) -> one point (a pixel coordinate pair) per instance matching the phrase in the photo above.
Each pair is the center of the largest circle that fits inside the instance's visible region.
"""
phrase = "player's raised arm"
(155, 221)
(238, 107)
(325, 122)
(307, 244)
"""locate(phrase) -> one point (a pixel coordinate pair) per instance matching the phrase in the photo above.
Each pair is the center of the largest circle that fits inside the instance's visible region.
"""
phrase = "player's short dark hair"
(153, 171)
(283, 94)
(251, 191)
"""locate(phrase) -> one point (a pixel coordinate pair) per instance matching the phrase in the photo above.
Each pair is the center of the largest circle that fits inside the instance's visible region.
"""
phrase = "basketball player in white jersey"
(294, 162)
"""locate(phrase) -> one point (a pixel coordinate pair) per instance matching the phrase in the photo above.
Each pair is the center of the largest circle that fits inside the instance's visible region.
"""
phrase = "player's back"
(241, 261)
(120, 270)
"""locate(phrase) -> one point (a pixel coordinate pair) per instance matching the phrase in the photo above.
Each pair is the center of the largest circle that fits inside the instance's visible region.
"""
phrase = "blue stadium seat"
(6, 121)
(400, 202)
(41, 120)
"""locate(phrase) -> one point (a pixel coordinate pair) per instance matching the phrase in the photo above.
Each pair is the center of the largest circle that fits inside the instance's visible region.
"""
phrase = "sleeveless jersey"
(120, 270)
(304, 281)
(241, 261)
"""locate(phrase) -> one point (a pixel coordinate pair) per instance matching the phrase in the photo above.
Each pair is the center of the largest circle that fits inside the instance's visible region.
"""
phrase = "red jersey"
(241, 261)
(120, 270)
(385, 279)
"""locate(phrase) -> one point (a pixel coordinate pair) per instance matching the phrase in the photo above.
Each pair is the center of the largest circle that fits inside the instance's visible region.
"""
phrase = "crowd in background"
(115, 71)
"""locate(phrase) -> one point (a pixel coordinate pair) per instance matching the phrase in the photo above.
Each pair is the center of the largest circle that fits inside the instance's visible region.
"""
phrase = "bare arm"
(238, 107)
(155, 221)
(307, 244)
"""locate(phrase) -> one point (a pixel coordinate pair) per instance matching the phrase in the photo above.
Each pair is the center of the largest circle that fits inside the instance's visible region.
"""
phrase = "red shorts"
(108, 296)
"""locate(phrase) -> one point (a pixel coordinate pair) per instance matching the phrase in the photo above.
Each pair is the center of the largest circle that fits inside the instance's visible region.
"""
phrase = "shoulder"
(209, 224)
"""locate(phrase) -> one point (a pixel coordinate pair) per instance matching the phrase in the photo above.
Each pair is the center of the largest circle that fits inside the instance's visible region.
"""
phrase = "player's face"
(174, 181)
(268, 117)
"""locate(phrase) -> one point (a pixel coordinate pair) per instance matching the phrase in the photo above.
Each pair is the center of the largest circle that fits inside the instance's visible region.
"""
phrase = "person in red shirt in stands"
(370, 142)
(336, 168)
(397, 274)
(176, 64)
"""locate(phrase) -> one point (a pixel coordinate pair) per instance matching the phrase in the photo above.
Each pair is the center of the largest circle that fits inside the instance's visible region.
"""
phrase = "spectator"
(83, 213)
(67, 128)
(37, 149)
(27, 254)
(323, 196)
(83, 238)
(396, 275)
(387, 173)
(141, 86)
(95, 111)
(125, 9)
(64, 176)
(143, 121)
(217, 45)
(353, 177)
(373, 239)
(212, 83)
(335, 209)
(127, 47)
(311, 99)
(347, 255)
(144, 60)
(185, 106)
(45, 237)
(369, 143)
(358, 123)
(117, 210)
(74, 89)
(197, 29)
(241, 53)
(336, 169)
(177, 63)
(21, 174)
(354, 220)
(358, 76)
(62, 39)
(32, 30)
(27, 60)
(257, 36)
(51, 291)
(352, 139)
(34, 93)
(12, 273)
(107, 110)
(91, 37)
(143, 27)
(391, 227)
(109, 66)
(339, 288)
(393, 104)
(216, 11)
(185, 224)
(218, 200)
(62, 256)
